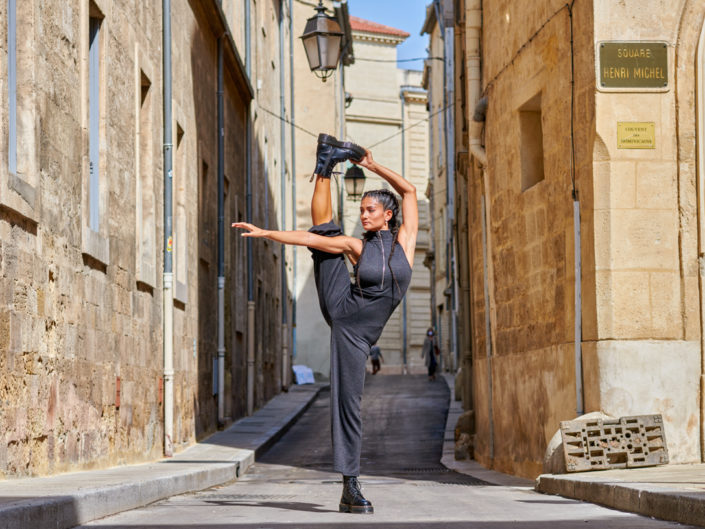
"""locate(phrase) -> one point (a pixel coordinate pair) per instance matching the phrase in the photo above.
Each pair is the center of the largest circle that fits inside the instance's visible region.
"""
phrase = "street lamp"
(322, 37)
(354, 182)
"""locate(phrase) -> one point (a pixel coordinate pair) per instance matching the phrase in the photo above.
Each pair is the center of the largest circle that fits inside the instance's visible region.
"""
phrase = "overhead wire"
(287, 120)
(315, 135)
(399, 60)
(442, 109)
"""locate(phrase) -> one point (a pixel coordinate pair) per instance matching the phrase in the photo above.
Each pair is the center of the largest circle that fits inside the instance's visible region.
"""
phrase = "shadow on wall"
(266, 256)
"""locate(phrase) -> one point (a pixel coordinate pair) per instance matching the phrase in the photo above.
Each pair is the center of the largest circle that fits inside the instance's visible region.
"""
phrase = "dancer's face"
(373, 215)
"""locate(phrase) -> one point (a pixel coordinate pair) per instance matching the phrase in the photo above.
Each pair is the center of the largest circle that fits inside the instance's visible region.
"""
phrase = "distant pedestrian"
(376, 356)
(429, 353)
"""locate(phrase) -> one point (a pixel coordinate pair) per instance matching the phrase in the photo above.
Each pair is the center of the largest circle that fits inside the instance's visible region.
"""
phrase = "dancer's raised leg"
(321, 205)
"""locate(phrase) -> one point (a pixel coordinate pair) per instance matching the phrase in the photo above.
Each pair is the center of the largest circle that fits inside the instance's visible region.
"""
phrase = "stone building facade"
(583, 252)
(439, 262)
(81, 223)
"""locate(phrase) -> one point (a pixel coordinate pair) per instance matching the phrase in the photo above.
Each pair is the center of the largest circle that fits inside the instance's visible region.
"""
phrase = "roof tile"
(360, 24)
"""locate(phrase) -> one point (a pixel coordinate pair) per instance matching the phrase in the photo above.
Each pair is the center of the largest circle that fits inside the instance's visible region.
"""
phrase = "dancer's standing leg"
(347, 354)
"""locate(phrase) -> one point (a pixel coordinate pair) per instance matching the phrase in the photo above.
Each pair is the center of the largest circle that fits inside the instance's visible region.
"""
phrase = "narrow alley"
(404, 421)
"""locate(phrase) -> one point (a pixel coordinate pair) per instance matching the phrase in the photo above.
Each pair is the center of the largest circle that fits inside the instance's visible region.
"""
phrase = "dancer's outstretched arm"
(349, 246)
(409, 207)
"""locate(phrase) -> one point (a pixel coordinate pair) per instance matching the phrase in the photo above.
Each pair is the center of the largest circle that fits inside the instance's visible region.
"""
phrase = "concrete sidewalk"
(669, 492)
(67, 500)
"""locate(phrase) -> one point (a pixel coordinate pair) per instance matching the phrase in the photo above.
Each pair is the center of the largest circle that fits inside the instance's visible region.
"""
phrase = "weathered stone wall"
(73, 324)
(640, 309)
(81, 311)
(529, 233)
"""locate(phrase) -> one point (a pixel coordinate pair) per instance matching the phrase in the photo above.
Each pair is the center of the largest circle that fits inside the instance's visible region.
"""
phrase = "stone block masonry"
(81, 231)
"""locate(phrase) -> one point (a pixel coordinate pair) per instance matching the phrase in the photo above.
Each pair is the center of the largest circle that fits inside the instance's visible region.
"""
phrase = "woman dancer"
(355, 311)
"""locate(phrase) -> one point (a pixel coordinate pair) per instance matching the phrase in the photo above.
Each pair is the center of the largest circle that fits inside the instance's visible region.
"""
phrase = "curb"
(672, 505)
(66, 500)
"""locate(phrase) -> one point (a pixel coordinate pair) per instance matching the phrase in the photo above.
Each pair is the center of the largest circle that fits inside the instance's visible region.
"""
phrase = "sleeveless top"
(378, 276)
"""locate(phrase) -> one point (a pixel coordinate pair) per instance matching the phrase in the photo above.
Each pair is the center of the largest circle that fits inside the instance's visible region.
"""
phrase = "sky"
(408, 15)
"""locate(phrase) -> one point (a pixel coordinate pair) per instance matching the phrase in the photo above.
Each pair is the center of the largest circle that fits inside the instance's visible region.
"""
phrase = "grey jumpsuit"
(356, 314)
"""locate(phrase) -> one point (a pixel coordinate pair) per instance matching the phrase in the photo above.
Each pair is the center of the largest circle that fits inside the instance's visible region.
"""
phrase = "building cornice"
(416, 98)
(414, 94)
(378, 38)
(361, 118)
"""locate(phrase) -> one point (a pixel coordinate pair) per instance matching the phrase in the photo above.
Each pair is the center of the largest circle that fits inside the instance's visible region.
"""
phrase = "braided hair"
(389, 202)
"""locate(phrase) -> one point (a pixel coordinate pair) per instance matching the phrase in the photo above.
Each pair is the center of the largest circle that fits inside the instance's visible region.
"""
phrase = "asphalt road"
(293, 485)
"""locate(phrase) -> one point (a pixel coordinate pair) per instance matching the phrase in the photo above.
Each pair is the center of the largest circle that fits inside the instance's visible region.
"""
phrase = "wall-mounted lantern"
(354, 182)
(322, 38)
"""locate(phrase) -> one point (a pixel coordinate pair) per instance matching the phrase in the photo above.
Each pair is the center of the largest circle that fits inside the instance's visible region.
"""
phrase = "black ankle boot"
(352, 499)
(331, 152)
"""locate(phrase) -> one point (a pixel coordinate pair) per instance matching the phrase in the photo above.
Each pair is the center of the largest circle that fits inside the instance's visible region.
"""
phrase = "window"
(441, 144)
(94, 182)
(146, 207)
(180, 218)
(204, 198)
(94, 123)
(19, 191)
(205, 232)
(12, 85)
(531, 138)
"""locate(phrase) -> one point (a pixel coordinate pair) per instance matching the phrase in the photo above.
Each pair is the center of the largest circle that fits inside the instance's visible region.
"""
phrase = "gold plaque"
(636, 135)
(641, 66)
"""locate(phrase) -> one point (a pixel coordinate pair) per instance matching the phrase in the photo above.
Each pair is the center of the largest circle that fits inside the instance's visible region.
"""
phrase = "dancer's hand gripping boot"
(331, 152)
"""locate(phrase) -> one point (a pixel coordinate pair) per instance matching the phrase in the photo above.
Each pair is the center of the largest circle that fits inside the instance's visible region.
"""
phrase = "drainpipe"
(168, 278)
(488, 267)
(448, 96)
(473, 37)
(341, 103)
(293, 176)
(250, 276)
(282, 183)
(248, 46)
(579, 400)
(221, 242)
(477, 150)
(578, 331)
(248, 199)
(404, 348)
(430, 194)
(432, 210)
(488, 316)
(700, 87)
